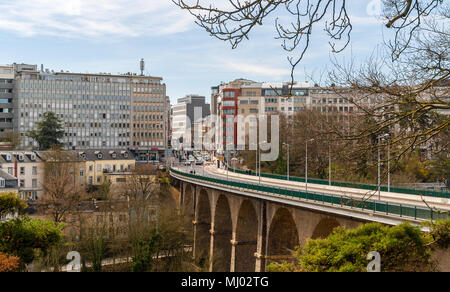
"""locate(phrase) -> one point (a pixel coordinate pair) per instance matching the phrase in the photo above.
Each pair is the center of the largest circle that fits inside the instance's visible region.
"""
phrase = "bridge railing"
(350, 185)
(401, 210)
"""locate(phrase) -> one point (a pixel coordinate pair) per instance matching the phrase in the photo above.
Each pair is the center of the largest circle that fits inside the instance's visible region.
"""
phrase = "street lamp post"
(379, 166)
(288, 178)
(259, 154)
(306, 164)
(389, 167)
(379, 173)
(329, 163)
(226, 165)
(259, 163)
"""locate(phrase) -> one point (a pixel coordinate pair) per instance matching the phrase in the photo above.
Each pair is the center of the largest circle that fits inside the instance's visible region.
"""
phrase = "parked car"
(199, 162)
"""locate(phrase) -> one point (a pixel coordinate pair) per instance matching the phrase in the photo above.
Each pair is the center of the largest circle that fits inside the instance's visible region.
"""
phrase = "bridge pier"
(237, 233)
(262, 238)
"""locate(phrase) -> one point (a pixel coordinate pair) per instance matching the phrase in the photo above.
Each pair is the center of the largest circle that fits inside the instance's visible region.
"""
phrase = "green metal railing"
(409, 211)
(351, 185)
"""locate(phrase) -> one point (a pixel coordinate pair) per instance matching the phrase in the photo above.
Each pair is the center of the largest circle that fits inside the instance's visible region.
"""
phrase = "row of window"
(149, 135)
(229, 94)
(87, 97)
(251, 102)
(148, 117)
(55, 84)
(22, 170)
(148, 108)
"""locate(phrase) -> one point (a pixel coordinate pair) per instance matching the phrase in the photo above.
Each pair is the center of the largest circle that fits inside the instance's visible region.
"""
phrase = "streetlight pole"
(389, 167)
(259, 154)
(329, 163)
(259, 163)
(288, 178)
(379, 167)
(306, 165)
(226, 165)
(379, 172)
(288, 153)
(256, 158)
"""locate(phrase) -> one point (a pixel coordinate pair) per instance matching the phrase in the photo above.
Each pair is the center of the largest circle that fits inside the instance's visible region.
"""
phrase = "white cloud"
(88, 18)
(257, 70)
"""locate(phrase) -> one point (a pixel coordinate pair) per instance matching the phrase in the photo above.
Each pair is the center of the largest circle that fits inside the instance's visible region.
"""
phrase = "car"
(191, 159)
(199, 162)
(187, 163)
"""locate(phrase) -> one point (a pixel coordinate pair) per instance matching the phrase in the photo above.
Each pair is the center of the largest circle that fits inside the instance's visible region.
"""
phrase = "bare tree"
(234, 20)
(63, 190)
(408, 97)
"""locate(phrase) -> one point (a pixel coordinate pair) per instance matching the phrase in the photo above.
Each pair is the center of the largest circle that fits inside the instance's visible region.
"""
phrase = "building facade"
(99, 111)
(27, 168)
(186, 114)
(6, 98)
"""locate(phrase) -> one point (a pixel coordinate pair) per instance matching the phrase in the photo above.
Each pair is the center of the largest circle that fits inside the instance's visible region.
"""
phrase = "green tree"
(10, 203)
(29, 239)
(49, 132)
(145, 251)
(402, 248)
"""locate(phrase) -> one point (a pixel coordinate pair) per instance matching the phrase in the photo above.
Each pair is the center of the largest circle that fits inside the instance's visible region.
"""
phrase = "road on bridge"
(396, 198)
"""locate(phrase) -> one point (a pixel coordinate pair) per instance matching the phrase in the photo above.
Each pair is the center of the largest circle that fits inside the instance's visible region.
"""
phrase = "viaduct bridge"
(241, 226)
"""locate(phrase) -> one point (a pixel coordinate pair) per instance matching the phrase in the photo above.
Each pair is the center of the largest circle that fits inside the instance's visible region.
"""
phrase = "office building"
(99, 111)
(184, 120)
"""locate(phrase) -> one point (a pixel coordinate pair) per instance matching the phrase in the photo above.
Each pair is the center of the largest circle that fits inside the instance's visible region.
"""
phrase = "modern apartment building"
(6, 98)
(99, 111)
(184, 119)
(246, 98)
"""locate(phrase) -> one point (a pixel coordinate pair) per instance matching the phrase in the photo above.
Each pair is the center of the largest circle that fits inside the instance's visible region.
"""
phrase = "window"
(34, 170)
(22, 170)
(229, 94)
(2, 182)
(271, 92)
(10, 170)
(271, 100)
(34, 183)
(228, 103)
(228, 112)
(300, 92)
(22, 183)
(81, 172)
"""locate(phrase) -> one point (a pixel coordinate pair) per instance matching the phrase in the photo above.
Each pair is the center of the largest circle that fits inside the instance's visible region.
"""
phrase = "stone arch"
(283, 236)
(246, 238)
(325, 227)
(202, 230)
(221, 261)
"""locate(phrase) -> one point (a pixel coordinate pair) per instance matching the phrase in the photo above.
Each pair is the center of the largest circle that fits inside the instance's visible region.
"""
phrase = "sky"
(113, 35)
